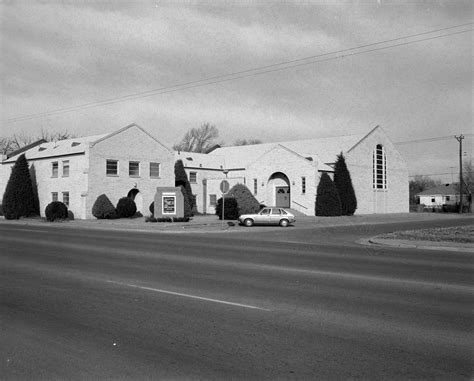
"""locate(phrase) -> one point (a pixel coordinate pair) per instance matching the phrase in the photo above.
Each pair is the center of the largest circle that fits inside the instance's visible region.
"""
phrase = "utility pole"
(460, 139)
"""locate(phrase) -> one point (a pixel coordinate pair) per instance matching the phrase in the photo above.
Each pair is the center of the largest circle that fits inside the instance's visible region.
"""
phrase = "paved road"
(289, 303)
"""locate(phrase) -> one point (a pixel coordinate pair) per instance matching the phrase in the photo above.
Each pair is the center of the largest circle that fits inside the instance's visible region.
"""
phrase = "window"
(54, 172)
(155, 170)
(379, 168)
(303, 185)
(66, 168)
(134, 168)
(255, 186)
(448, 198)
(433, 200)
(112, 167)
(193, 177)
(212, 199)
(66, 198)
(54, 196)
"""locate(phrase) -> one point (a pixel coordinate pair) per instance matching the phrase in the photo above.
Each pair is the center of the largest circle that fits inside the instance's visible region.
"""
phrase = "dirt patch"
(461, 234)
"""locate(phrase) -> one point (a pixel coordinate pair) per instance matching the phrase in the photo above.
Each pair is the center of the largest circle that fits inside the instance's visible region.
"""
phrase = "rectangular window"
(303, 185)
(111, 167)
(66, 198)
(193, 177)
(54, 196)
(212, 199)
(66, 168)
(134, 168)
(255, 186)
(448, 198)
(54, 172)
(154, 170)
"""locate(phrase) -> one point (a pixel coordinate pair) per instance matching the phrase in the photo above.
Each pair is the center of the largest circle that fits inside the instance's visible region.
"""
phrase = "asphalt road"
(284, 304)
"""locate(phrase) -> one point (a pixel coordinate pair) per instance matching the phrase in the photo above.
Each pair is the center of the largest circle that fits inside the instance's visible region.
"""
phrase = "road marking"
(189, 296)
(33, 230)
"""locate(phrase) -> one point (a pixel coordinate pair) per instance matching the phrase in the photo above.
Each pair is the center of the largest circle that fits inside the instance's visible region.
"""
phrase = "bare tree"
(198, 139)
(15, 142)
(419, 184)
(247, 142)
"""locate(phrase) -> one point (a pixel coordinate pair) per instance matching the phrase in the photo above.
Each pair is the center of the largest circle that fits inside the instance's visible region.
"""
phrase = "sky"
(56, 55)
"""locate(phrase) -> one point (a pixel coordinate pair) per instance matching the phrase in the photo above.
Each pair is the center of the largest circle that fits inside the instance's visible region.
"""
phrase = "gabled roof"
(72, 146)
(25, 148)
(324, 150)
(58, 148)
(200, 160)
(441, 190)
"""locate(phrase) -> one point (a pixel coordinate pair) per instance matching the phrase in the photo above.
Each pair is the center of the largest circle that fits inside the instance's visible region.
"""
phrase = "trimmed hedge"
(126, 207)
(328, 203)
(103, 208)
(246, 202)
(231, 209)
(56, 210)
(343, 183)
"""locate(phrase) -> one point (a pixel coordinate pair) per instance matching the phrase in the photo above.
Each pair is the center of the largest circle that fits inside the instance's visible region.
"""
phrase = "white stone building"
(287, 174)
(131, 162)
(76, 171)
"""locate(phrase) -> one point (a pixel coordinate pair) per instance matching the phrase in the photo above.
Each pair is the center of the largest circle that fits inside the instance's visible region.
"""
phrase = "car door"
(263, 217)
(275, 216)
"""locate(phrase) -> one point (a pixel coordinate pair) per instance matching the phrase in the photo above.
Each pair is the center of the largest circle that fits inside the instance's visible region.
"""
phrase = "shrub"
(327, 199)
(1, 210)
(18, 199)
(70, 215)
(343, 183)
(246, 201)
(56, 210)
(151, 208)
(188, 212)
(103, 208)
(180, 219)
(150, 219)
(126, 207)
(181, 179)
(231, 209)
(164, 219)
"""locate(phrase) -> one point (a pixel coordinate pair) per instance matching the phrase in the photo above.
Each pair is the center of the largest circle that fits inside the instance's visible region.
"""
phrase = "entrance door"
(282, 197)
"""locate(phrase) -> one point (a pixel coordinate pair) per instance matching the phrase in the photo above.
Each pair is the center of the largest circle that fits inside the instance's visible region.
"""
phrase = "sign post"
(224, 189)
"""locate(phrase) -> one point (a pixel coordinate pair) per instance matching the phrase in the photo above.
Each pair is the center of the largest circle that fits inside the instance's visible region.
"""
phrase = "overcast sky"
(58, 54)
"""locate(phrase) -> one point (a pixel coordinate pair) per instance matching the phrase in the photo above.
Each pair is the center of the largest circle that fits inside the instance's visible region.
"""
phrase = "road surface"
(284, 304)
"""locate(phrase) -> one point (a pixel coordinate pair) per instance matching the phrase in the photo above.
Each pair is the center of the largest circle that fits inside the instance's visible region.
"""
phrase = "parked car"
(268, 216)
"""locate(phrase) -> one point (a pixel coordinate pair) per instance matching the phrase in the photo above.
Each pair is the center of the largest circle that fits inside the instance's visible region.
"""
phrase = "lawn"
(462, 234)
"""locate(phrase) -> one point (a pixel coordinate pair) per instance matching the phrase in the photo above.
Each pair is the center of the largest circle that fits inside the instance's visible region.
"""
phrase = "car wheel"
(284, 223)
(248, 222)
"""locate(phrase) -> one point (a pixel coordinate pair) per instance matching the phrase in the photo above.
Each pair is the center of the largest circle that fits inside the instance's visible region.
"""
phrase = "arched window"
(379, 168)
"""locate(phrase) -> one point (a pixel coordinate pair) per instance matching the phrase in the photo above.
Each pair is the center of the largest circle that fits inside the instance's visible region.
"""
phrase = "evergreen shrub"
(151, 208)
(150, 219)
(180, 219)
(231, 209)
(56, 210)
(103, 208)
(188, 211)
(246, 201)
(328, 203)
(126, 207)
(343, 183)
(19, 199)
(164, 219)
(181, 179)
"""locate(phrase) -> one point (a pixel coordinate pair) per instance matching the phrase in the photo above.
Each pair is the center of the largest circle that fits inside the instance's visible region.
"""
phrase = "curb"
(405, 244)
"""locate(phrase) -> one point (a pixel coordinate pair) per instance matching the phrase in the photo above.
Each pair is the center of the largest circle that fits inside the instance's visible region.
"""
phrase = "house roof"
(200, 160)
(323, 150)
(440, 190)
(58, 148)
(71, 146)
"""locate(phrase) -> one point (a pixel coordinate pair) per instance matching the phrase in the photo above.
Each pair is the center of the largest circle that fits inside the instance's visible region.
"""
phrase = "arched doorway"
(280, 184)
(136, 196)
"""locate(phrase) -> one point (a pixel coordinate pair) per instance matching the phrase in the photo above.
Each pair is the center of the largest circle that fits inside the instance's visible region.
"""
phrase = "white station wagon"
(268, 216)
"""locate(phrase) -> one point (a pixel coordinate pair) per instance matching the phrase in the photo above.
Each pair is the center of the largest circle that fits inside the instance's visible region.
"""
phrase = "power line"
(245, 73)
(429, 139)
